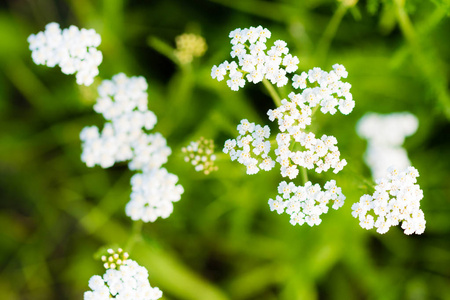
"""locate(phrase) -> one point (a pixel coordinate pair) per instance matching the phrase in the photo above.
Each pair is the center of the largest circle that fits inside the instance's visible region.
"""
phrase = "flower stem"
(135, 235)
(330, 31)
(426, 64)
(276, 98)
(304, 175)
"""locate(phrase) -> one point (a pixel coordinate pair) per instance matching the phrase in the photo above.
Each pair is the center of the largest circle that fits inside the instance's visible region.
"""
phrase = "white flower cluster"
(128, 282)
(396, 199)
(325, 89)
(385, 135)
(123, 102)
(254, 63)
(74, 50)
(251, 147)
(296, 147)
(306, 203)
(153, 194)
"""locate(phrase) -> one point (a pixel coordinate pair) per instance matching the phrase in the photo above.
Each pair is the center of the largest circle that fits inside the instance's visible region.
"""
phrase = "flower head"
(396, 199)
(73, 49)
(189, 45)
(254, 62)
(153, 194)
(201, 155)
(305, 204)
(128, 281)
(125, 137)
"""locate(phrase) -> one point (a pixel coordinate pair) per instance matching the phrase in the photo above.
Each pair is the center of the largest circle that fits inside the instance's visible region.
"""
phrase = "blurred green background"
(222, 241)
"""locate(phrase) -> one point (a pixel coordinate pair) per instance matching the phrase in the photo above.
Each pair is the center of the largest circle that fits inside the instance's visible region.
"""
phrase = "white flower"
(385, 135)
(74, 50)
(306, 203)
(129, 281)
(153, 194)
(396, 198)
(256, 63)
(218, 72)
(299, 81)
(251, 147)
(123, 102)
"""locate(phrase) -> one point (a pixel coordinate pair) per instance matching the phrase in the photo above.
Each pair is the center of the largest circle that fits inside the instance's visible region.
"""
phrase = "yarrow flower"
(254, 63)
(189, 45)
(305, 204)
(325, 89)
(385, 135)
(396, 199)
(73, 49)
(123, 103)
(297, 148)
(153, 194)
(251, 147)
(128, 282)
(201, 155)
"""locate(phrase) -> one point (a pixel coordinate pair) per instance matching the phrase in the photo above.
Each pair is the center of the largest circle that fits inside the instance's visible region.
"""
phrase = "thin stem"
(432, 71)
(276, 98)
(304, 175)
(330, 31)
(405, 23)
(135, 235)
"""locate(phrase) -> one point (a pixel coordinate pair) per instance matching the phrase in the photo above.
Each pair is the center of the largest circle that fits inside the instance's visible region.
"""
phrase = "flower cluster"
(123, 103)
(324, 89)
(114, 259)
(306, 203)
(189, 45)
(254, 63)
(297, 147)
(153, 194)
(74, 50)
(385, 135)
(128, 281)
(396, 199)
(251, 147)
(293, 116)
(201, 155)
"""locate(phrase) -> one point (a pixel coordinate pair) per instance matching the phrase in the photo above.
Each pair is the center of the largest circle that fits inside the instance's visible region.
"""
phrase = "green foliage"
(221, 242)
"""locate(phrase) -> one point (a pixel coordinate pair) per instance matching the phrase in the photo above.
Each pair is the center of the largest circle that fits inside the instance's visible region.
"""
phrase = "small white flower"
(390, 211)
(129, 281)
(256, 63)
(306, 203)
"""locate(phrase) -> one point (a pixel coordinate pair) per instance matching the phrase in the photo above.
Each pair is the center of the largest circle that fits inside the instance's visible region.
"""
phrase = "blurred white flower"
(123, 103)
(73, 49)
(128, 282)
(385, 135)
(201, 155)
(152, 195)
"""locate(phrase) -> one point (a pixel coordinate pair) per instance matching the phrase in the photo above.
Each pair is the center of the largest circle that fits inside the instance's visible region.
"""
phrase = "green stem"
(427, 65)
(330, 31)
(304, 175)
(405, 24)
(276, 98)
(135, 235)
